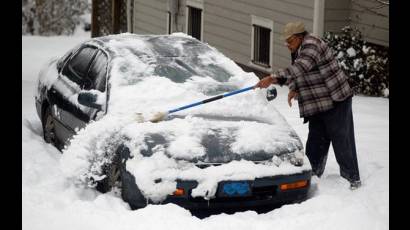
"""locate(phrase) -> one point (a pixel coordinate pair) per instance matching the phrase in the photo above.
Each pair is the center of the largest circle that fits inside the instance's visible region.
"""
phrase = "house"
(246, 31)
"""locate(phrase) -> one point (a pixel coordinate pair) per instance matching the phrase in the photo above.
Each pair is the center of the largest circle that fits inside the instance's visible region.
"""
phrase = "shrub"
(52, 17)
(367, 65)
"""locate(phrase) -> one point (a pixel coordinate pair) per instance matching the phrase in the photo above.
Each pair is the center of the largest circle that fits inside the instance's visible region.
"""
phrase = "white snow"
(340, 55)
(50, 201)
(357, 63)
(351, 52)
(386, 92)
(365, 49)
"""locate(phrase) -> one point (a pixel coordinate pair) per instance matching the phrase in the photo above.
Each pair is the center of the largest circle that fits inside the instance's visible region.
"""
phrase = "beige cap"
(292, 28)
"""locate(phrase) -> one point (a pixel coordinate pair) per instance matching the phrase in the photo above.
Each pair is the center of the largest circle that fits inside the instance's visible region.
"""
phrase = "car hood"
(223, 140)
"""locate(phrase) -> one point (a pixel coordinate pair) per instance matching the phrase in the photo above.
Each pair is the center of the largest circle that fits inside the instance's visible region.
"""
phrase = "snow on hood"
(138, 85)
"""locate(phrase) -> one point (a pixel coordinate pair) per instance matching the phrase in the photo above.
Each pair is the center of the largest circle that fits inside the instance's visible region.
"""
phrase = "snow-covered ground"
(50, 202)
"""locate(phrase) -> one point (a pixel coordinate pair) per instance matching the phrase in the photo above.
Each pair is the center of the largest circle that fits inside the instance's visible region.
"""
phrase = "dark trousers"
(335, 126)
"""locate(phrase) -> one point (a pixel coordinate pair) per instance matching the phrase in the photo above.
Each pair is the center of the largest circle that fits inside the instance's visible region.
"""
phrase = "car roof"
(174, 45)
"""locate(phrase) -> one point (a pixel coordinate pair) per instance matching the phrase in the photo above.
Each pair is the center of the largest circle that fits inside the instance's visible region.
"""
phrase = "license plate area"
(234, 189)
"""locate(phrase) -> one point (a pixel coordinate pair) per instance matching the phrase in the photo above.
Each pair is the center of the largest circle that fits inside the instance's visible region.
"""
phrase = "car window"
(98, 71)
(77, 67)
(63, 60)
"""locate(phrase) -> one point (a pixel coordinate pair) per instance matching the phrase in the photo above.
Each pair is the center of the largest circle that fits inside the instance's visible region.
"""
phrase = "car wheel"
(49, 134)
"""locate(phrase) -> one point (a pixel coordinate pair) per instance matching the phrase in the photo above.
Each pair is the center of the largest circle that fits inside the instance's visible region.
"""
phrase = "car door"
(72, 116)
(96, 79)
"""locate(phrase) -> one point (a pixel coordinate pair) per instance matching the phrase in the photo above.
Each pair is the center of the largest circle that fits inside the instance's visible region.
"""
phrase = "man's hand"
(266, 81)
(292, 94)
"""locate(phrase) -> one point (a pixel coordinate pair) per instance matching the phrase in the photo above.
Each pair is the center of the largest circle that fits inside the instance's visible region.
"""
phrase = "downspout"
(319, 18)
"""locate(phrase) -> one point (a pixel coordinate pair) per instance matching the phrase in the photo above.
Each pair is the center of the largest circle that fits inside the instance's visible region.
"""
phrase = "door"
(73, 77)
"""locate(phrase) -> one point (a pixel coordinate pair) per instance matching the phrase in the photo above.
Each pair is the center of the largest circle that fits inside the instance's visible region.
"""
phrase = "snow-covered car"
(235, 152)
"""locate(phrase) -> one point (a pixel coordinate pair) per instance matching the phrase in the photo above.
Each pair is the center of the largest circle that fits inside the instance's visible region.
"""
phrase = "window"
(262, 32)
(76, 69)
(261, 46)
(98, 71)
(194, 22)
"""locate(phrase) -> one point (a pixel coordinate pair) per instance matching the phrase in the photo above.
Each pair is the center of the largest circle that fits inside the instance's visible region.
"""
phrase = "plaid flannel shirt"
(316, 76)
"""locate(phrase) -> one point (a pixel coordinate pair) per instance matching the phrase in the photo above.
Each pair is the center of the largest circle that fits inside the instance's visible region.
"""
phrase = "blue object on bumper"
(236, 188)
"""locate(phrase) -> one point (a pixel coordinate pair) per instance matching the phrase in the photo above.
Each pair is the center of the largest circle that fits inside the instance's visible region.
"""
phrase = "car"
(99, 77)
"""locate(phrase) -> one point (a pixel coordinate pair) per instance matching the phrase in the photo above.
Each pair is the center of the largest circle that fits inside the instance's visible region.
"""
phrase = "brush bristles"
(158, 117)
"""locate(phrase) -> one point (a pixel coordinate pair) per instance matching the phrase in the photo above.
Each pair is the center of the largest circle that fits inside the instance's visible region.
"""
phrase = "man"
(325, 101)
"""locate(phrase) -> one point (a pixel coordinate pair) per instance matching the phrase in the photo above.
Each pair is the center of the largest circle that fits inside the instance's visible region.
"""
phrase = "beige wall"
(150, 16)
(337, 13)
(373, 22)
(366, 15)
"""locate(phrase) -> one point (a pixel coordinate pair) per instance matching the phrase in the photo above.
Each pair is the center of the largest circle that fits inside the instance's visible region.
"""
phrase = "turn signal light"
(297, 184)
(179, 192)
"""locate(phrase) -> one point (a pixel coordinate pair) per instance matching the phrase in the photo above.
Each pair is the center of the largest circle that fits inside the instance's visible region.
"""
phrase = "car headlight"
(296, 158)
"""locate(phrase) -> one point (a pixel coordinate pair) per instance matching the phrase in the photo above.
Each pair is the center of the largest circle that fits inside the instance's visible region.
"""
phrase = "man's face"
(293, 43)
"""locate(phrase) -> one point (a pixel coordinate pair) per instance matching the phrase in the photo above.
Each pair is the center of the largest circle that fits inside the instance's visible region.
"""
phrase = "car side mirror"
(271, 93)
(90, 99)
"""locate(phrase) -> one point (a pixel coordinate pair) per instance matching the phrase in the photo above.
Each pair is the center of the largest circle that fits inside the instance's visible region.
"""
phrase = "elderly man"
(325, 100)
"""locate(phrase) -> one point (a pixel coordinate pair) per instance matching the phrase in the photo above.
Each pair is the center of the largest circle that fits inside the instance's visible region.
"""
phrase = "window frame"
(264, 23)
(74, 54)
(198, 4)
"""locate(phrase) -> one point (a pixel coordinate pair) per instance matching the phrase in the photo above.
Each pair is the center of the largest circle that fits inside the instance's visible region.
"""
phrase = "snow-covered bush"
(53, 17)
(367, 65)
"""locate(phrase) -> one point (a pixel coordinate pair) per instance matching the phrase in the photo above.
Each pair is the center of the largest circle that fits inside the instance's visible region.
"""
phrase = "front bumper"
(264, 192)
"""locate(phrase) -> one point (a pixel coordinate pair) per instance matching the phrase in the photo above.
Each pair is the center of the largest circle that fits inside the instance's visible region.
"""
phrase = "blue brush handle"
(211, 99)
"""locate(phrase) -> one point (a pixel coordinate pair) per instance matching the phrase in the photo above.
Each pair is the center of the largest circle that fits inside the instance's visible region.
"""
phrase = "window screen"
(261, 52)
(194, 22)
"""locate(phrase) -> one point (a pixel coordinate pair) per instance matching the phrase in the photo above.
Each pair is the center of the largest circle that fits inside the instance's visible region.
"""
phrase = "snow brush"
(162, 115)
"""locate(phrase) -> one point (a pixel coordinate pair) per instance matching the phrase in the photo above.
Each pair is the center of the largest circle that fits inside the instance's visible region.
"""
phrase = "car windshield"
(180, 69)
(179, 59)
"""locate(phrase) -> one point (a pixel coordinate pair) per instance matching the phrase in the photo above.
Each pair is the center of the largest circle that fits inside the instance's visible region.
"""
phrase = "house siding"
(150, 17)
(337, 13)
(374, 23)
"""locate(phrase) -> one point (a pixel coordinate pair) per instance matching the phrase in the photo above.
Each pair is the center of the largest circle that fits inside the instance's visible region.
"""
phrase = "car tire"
(48, 123)
(116, 172)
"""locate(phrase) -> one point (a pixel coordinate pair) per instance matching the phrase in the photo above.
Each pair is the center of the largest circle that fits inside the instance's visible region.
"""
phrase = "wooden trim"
(94, 22)
(115, 15)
